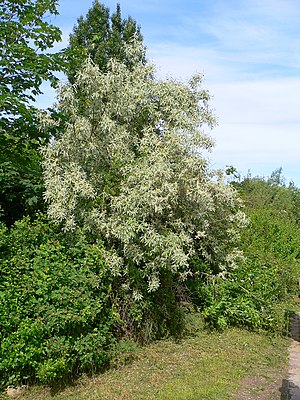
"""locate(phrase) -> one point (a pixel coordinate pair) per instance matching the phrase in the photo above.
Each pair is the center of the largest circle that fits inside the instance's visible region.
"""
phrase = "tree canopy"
(25, 35)
(101, 37)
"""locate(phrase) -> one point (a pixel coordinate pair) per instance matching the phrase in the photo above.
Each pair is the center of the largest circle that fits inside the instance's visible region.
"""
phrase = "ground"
(232, 365)
(269, 387)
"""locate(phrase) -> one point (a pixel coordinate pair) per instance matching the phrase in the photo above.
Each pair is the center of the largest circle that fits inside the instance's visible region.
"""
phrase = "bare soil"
(270, 387)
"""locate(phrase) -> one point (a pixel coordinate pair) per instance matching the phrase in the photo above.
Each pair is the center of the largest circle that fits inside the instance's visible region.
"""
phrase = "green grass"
(202, 366)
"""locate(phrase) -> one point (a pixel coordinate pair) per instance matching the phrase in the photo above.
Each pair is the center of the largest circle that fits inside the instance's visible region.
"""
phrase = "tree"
(269, 193)
(101, 38)
(145, 188)
(25, 35)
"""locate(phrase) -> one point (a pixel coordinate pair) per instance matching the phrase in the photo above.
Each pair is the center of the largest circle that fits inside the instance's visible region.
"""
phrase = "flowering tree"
(131, 167)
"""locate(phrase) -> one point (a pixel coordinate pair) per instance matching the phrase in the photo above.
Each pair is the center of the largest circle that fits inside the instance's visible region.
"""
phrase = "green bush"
(247, 298)
(56, 315)
(250, 294)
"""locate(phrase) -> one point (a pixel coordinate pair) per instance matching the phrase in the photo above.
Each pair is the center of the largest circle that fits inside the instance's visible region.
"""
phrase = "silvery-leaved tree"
(131, 167)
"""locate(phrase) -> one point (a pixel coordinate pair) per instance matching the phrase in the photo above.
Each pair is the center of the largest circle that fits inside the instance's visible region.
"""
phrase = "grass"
(202, 366)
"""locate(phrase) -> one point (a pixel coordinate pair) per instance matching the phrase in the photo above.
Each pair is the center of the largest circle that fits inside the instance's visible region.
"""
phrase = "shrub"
(250, 294)
(56, 315)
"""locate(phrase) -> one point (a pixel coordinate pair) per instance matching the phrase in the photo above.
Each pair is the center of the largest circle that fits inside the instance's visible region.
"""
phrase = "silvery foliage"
(132, 167)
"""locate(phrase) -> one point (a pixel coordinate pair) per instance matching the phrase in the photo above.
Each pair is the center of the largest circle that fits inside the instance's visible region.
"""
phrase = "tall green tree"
(101, 37)
(25, 36)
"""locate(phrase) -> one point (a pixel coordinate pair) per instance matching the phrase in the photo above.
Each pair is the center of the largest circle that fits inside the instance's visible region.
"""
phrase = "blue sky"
(249, 53)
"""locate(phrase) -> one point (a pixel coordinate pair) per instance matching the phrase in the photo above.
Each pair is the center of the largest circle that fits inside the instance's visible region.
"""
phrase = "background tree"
(270, 193)
(25, 35)
(101, 38)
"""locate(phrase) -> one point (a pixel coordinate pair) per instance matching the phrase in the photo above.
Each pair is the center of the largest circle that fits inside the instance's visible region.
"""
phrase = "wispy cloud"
(245, 35)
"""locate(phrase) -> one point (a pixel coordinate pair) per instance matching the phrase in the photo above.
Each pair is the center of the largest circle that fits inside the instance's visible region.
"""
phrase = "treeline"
(114, 225)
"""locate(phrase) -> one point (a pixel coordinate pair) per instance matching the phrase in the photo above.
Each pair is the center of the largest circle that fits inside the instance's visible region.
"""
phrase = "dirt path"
(293, 381)
(272, 386)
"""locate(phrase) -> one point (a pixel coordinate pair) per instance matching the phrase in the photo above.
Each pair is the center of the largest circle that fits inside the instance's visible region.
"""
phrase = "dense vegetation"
(135, 229)
(56, 317)
(251, 295)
